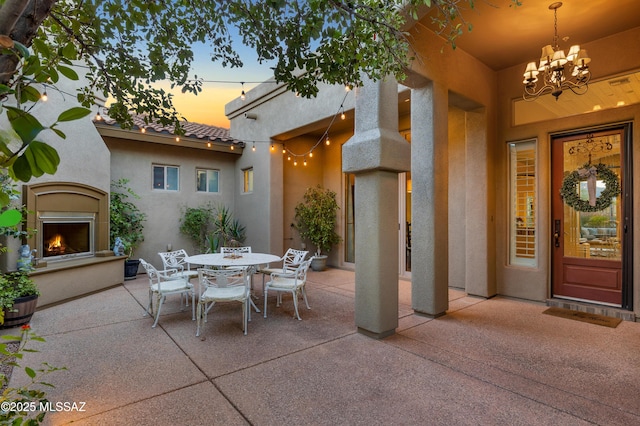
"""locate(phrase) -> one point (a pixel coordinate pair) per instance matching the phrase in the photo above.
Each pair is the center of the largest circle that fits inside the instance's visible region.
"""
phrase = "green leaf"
(30, 372)
(10, 218)
(45, 157)
(24, 124)
(74, 114)
(68, 72)
(21, 169)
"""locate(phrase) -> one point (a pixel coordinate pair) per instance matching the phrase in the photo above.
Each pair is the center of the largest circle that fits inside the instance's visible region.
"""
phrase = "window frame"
(207, 180)
(523, 244)
(247, 180)
(165, 175)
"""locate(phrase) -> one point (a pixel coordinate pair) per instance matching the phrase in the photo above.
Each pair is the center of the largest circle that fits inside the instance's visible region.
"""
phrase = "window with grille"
(165, 178)
(207, 180)
(522, 167)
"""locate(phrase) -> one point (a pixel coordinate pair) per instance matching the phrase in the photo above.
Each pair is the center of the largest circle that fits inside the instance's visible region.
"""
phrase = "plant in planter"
(18, 298)
(126, 222)
(211, 227)
(316, 217)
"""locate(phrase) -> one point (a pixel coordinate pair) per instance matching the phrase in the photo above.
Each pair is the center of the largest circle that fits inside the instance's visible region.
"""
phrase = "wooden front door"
(588, 231)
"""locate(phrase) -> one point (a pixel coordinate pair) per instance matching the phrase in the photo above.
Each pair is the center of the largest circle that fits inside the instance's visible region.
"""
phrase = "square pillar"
(429, 200)
(376, 154)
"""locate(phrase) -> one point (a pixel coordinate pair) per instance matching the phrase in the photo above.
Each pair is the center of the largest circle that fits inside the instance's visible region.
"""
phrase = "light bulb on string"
(311, 154)
(305, 162)
(254, 147)
(347, 88)
(243, 95)
(98, 117)
(177, 138)
(288, 158)
(327, 142)
(143, 130)
(284, 150)
(342, 115)
(44, 97)
(208, 144)
(273, 148)
(295, 162)
(232, 147)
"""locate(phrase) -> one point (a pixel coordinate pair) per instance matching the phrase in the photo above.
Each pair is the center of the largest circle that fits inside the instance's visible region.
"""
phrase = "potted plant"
(126, 223)
(316, 217)
(18, 298)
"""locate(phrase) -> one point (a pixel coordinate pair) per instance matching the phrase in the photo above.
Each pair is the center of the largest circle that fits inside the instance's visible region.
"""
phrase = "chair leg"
(159, 302)
(193, 305)
(246, 312)
(264, 309)
(304, 296)
(200, 313)
(149, 310)
(294, 293)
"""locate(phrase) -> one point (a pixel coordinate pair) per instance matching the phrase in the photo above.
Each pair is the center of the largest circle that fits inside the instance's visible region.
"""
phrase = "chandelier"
(555, 68)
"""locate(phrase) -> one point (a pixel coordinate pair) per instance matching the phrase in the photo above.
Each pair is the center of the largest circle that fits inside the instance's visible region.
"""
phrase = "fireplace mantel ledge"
(75, 263)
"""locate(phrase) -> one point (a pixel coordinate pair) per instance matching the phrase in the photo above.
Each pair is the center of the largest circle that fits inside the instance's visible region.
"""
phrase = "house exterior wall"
(83, 156)
(282, 119)
(164, 209)
(612, 56)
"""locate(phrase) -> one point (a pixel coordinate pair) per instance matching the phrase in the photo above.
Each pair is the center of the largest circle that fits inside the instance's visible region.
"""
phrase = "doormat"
(584, 317)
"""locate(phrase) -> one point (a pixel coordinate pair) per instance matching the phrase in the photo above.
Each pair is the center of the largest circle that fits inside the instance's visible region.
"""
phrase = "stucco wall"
(84, 158)
(134, 160)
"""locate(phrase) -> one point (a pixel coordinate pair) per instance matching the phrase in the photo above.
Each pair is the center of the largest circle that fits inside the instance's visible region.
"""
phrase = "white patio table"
(225, 260)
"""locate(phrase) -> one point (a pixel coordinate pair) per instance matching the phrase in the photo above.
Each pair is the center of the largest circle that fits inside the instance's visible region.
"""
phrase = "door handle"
(556, 233)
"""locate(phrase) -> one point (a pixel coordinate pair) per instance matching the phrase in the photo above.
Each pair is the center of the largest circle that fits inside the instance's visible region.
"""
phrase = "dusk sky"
(208, 106)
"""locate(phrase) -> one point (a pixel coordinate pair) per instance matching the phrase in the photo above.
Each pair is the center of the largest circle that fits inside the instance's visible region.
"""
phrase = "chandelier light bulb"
(557, 72)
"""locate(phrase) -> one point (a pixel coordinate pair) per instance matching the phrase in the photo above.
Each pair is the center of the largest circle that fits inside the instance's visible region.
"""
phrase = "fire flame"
(55, 243)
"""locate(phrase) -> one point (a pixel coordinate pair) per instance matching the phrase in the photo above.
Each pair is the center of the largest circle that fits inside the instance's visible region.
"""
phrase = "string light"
(327, 142)
(311, 154)
(254, 147)
(305, 162)
(342, 115)
(295, 162)
(177, 138)
(208, 144)
(44, 97)
(242, 95)
(273, 148)
(284, 150)
(143, 130)
(232, 147)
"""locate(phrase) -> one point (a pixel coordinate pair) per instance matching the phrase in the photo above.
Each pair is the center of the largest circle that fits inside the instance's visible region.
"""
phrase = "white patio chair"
(176, 260)
(290, 282)
(222, 285)
(290, 261)
(239, 251)
(165, 283)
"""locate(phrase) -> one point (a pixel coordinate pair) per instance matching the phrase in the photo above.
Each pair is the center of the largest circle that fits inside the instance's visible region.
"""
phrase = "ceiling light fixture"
(552, 66)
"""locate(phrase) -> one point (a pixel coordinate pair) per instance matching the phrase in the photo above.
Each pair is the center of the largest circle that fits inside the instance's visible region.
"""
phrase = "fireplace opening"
(62, 239)
(64, 236)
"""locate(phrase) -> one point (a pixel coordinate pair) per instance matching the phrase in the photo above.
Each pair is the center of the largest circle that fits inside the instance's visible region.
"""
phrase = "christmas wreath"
(571, 196)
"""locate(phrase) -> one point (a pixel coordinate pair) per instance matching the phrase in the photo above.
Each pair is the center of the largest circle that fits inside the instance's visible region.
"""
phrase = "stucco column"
(480, 232)
(376, 154)
(429, 200)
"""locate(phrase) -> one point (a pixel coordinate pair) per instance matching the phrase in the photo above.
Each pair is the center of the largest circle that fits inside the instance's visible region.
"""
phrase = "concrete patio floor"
(486, 362)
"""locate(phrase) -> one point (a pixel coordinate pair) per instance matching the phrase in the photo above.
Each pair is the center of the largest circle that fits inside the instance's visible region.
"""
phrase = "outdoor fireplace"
(65, 235)
(71, 221)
